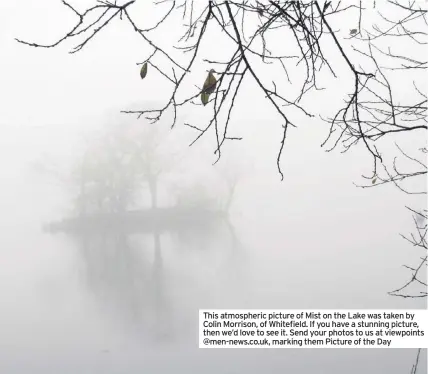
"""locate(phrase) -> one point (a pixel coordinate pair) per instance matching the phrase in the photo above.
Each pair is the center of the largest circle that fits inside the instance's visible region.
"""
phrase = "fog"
(114, 286)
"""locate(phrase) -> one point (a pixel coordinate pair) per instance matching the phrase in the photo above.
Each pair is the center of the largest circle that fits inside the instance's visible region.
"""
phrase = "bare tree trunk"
(82, 199)
(153, 187)
(230, 196)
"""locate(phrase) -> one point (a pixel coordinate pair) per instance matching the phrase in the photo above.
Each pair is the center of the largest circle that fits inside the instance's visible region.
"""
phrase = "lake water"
(118, 303)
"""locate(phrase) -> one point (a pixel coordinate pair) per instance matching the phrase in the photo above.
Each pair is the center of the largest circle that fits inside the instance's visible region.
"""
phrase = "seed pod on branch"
(143, 71)
(209, 87)
(204, 98)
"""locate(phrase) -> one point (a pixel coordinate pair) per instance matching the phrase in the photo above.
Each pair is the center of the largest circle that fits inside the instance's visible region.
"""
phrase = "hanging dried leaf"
(374, 180)
(143, 71)
(204, 98)
(353, 31)
(210, 83)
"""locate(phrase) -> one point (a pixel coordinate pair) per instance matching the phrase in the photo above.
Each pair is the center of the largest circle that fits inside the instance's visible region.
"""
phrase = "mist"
(114, 232)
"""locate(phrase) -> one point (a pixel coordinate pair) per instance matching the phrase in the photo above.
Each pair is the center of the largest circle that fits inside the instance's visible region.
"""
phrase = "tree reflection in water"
(129, 275)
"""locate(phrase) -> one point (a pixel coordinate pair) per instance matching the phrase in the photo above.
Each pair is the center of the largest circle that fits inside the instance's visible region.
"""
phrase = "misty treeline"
(283, 56)
(127, 167)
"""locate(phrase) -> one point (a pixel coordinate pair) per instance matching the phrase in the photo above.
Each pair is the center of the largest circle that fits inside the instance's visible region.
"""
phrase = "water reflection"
(131, 270)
